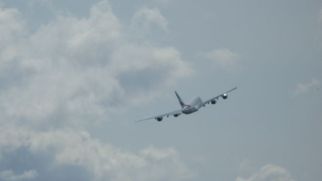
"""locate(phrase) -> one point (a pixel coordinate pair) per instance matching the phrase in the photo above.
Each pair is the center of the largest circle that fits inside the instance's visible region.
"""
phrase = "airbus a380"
(194, 106)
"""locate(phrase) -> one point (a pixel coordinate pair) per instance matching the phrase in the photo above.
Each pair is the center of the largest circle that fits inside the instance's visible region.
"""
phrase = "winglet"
(232, 89)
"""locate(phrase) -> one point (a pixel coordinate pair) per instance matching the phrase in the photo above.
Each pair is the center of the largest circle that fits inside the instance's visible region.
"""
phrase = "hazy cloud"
(102, 161)
(161, 1)
(146, 18)
(269, 173)
(10, 25)
(9, 175)
(303, 88)
(77, 70)
(224, 58)
(11, 30)
(73, 71)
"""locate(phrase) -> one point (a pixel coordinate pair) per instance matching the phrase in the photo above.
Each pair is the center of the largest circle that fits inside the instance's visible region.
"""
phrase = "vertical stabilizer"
(179, 99)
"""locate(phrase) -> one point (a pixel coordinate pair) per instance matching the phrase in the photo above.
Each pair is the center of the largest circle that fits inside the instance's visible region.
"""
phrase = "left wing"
(161, 116)
(215, 99)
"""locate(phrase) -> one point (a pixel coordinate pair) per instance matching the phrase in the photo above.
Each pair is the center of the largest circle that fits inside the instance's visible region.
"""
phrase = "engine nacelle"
(224, 96)
(176, 115)
(158, 118)
(213, 101)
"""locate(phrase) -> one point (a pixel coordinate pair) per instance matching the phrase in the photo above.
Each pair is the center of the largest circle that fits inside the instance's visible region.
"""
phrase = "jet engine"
(158, 118)
(176, 115)
(224, 96)
(213, 101)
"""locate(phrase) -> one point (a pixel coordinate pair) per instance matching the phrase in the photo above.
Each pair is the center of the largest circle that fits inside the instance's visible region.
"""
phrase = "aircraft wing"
(161, 116)
(215, 99)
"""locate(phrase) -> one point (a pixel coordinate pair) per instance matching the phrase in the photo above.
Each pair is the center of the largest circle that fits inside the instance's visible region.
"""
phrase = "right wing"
(215, 99)
(161, 116)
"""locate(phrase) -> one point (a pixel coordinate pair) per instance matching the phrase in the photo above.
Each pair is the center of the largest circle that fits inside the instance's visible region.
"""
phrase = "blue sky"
(75, 75)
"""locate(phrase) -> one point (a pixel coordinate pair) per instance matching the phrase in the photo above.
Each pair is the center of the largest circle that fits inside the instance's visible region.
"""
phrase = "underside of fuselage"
(190, 110)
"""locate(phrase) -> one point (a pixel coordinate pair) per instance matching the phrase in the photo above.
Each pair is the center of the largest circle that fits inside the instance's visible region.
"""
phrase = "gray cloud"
(269, 173)
(147, 17)
(68, 74)
(303, 88)
(76, 68)
(161, 1)
(9, 175)
(102, 161)
(224, 58)
(22, 159)
(11, 26)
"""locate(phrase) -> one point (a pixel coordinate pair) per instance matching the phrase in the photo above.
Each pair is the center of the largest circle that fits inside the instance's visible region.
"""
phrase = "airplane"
(194, 106)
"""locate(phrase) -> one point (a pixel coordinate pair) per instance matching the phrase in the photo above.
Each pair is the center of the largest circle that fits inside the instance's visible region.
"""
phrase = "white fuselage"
(193, 107)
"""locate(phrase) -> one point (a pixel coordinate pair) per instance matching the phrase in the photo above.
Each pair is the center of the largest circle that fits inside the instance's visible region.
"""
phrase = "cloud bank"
(9, 175)
(72, 72)
(78, 148)
(79, 68)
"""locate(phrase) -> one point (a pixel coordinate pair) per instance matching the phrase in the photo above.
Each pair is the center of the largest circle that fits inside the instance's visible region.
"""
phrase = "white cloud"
(73, 72)
(269, 173)
(303, 88)
(103, 161)
(146, 18)
(9, 175)
(224, 58)
(10, 25)
(77, 70)
(11, 30)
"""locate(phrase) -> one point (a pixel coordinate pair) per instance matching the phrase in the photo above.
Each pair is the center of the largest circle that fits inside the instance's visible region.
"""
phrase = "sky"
(75, 75)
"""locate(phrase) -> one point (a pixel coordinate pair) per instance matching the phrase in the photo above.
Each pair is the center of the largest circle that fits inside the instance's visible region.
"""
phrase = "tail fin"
(182, 104)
